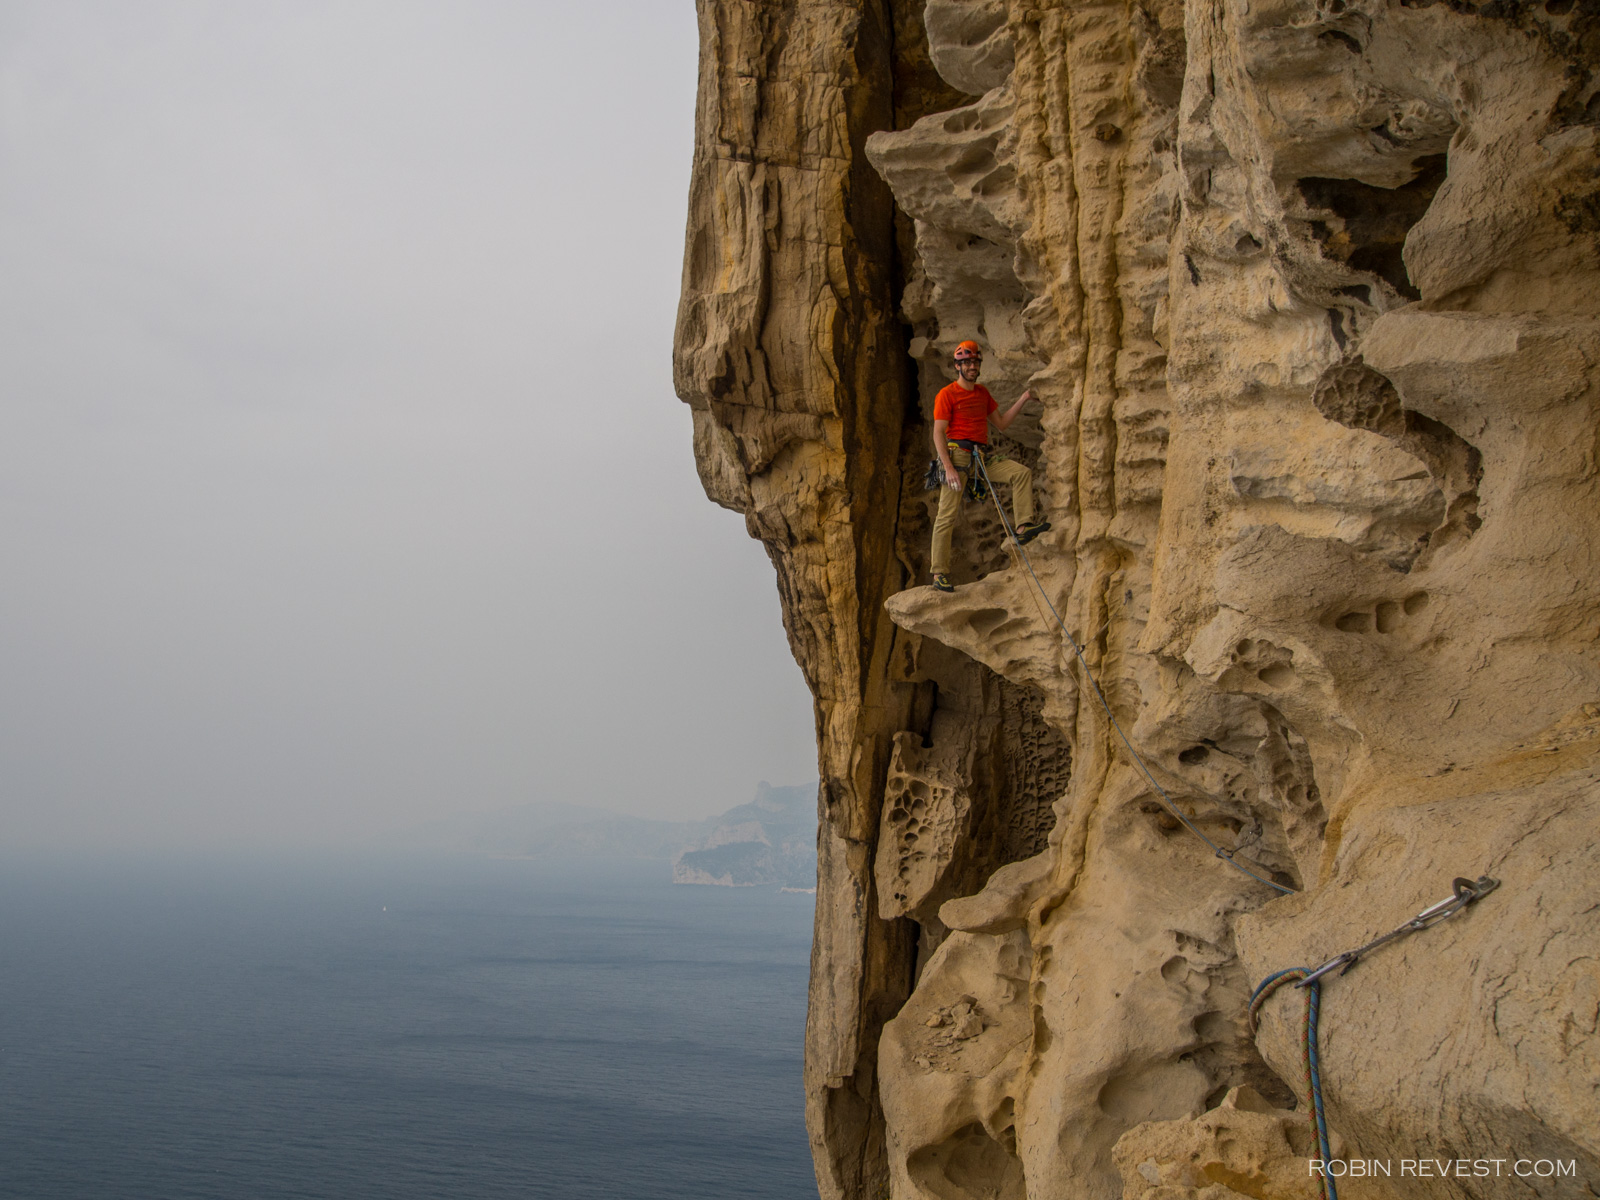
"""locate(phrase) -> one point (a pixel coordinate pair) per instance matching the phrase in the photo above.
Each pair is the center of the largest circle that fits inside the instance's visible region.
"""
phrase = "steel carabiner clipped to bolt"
(1463, 892)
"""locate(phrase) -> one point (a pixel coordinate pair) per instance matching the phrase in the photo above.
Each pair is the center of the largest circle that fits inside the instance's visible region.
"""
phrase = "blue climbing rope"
(1313, 1063)
(1463, 892)
(1224, 854)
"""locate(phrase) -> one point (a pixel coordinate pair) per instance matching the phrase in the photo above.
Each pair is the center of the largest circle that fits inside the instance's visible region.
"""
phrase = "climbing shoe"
(941, 581)
(1026, 533)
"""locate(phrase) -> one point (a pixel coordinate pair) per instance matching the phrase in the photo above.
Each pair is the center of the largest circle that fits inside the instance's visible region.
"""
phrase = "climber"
(962, 412)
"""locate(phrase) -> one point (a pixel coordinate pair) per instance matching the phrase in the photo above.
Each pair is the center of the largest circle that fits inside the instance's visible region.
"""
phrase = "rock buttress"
(1310, 290)
(791, 354)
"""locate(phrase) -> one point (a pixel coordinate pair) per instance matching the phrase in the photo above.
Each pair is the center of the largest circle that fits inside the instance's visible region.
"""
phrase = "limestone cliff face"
(1310, 290)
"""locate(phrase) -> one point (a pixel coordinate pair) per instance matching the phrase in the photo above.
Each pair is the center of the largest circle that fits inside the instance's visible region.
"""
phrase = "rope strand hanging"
(1309, 1054)
(1463, 892)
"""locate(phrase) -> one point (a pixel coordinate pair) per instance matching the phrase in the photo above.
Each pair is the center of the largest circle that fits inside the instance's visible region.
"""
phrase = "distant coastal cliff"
(771, 841)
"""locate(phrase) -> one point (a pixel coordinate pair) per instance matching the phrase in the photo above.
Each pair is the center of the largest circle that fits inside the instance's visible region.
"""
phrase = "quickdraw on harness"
(977, 481)
(1462, 893)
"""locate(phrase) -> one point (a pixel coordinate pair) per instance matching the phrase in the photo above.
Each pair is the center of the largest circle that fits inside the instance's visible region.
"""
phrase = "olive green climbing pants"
(1000, 469)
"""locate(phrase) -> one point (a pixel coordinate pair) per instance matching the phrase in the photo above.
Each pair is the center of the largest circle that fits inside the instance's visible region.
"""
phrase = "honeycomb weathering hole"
(1354, 395)
(1277, 675)
(1373, 221)
(1388, 616)
(969, 1163)
(986, 620)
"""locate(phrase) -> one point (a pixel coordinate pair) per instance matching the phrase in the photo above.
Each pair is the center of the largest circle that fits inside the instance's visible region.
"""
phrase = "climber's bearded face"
(968, 369)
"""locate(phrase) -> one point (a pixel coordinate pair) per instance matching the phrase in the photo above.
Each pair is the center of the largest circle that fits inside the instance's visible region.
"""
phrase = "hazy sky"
(342, 483)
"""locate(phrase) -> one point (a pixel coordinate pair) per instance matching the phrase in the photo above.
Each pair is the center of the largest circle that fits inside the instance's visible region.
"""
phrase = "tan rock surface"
(1310, 291)
(1241, 1148)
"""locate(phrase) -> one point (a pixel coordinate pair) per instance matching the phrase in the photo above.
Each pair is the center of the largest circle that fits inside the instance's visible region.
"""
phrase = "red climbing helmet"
(968, 350)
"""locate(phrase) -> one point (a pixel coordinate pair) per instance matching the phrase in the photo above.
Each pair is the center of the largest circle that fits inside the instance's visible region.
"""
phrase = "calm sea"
(398, 1029)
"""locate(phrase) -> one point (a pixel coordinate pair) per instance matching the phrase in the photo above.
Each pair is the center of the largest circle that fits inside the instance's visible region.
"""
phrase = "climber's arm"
(1002, 420)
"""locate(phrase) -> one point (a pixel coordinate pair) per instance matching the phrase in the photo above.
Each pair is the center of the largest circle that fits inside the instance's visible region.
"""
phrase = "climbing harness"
(976, 488)
(1462, 893)
(977, 485)
(1166, 800)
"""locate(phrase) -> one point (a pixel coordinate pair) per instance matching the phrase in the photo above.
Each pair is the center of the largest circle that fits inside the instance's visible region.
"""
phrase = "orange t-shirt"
(967, 410)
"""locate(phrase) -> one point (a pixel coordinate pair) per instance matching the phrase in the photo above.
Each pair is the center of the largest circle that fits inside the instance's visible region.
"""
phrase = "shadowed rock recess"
(1310, 290)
